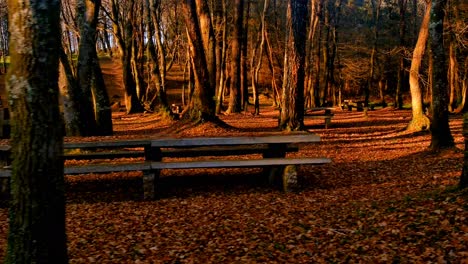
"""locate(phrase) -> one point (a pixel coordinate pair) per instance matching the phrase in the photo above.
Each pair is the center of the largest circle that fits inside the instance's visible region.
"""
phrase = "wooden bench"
(320, 112)
(359, 105)
(273, 150)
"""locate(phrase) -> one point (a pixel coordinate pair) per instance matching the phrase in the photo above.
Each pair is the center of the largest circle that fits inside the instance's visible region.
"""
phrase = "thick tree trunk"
(95, 111)
(208, 37)
(202, 106)
(85, 69)
(441, 137)
(419, 121)
(292, 107)
(69, 91)
(157, 63)
(235, 100)
(123, 31)
(37, 207)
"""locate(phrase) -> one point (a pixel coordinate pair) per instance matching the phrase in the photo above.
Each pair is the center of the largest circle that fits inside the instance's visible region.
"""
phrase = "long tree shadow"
(422, 168)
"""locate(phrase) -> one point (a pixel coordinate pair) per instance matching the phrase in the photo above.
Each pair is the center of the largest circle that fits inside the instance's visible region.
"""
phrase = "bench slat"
(222, 151)
(108, 144)
(225, 141)
(239, 163)
(105, 168)
(105, 155)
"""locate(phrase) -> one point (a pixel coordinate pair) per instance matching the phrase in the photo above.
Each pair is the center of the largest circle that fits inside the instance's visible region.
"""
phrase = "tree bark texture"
(202, 104)
(441, 137)
(37, 207)
(292, 107)
(123, 31)
(235, 100)
(208, 37)
(419, 121)
(402, 76)
(94, 104)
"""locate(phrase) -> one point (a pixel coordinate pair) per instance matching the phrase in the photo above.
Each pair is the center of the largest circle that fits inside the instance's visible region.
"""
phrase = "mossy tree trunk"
(37, 207)
(292, 106)
(441, 137)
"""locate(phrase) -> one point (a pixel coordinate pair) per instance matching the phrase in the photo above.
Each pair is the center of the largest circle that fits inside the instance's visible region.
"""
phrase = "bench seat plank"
(106, 168)
(238, 163)
(105, 155)
(225, 141)
(108, 144)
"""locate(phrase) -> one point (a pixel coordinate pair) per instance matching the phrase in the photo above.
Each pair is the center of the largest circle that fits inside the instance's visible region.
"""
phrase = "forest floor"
(385, 198)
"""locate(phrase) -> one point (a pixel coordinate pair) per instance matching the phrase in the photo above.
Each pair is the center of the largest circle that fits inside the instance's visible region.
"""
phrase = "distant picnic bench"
(209, 150)
(324, 113)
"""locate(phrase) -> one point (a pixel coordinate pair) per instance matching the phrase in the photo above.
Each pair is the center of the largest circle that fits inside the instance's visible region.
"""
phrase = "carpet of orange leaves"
(384, 198)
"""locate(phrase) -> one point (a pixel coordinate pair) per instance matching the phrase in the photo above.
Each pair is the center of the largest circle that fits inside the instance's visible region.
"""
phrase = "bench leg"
(327, 122)
(150, 184)
(4, 191)
(274, 175)
(289, 178)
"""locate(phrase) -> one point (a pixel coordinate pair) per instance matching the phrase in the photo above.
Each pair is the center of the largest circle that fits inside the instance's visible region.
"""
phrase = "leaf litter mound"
(385, 198)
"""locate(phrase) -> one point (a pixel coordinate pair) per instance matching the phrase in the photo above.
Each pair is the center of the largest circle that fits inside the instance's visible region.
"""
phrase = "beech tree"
(122, 15)
(86, 102)
(235, 99)
(202, 105)
(93, 93)
(292, 106)
(441, 137)
(419, 120)
(37, 206)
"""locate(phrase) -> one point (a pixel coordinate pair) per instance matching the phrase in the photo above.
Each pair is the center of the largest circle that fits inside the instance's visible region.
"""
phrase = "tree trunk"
(402, 4)
(373, 58)
(313, 27)
(419, 121)
(123, 31)
(464, 175)
(202, 106)
(85, 68)
(292, 107)
(441, 137)
(235, 100)
(37, 207)
(208, 37)
(256, 70)
(70, 91)
(157, 62)
(221, 51)
(95, 111)
(455, 93)
(244, 81)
